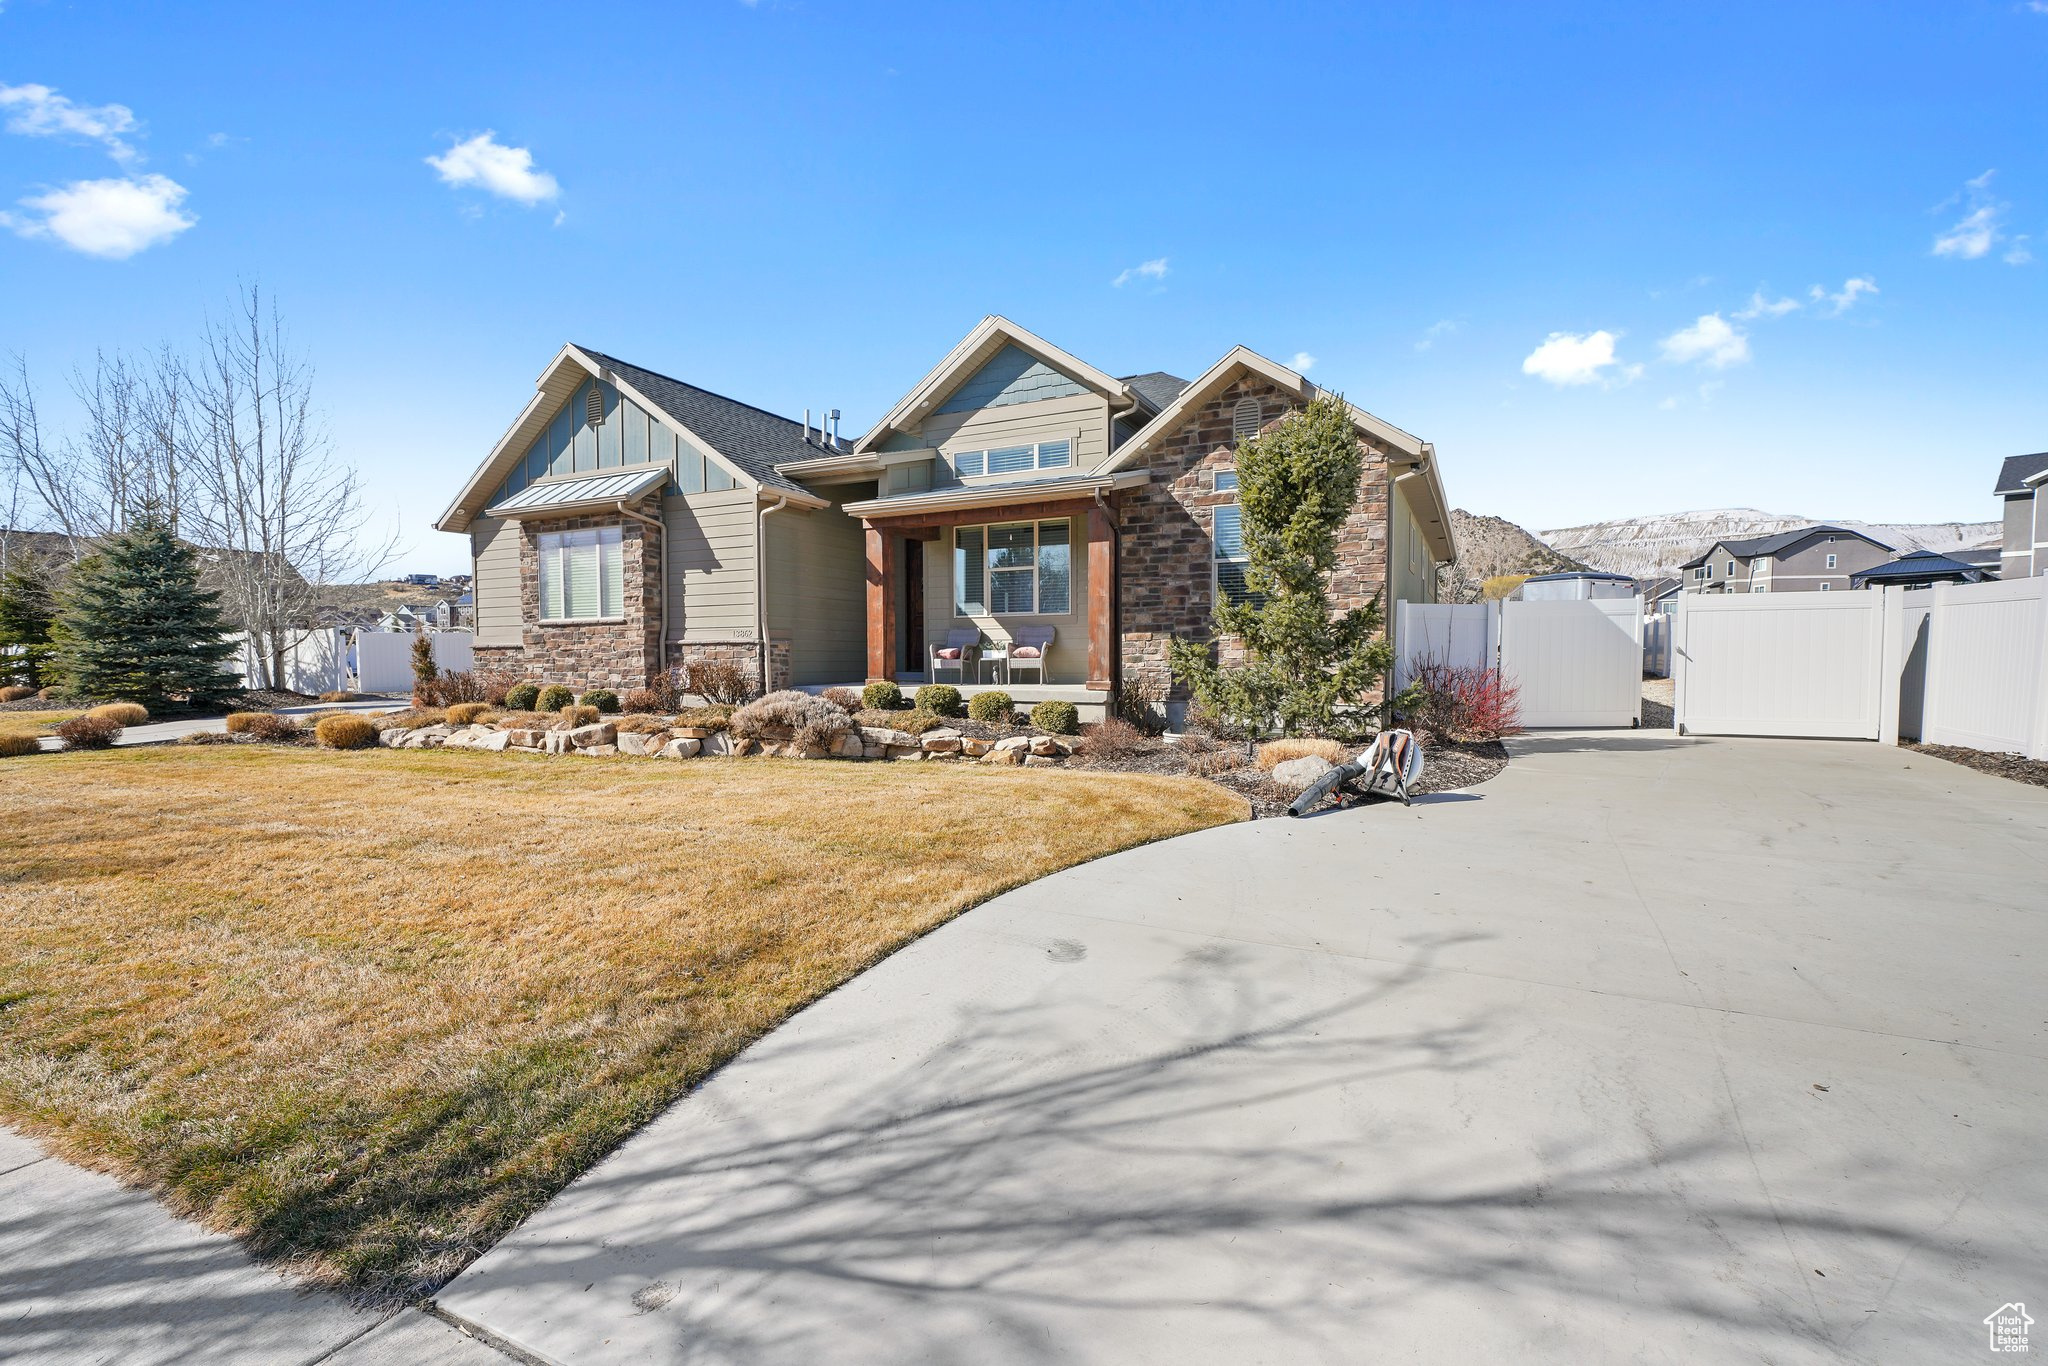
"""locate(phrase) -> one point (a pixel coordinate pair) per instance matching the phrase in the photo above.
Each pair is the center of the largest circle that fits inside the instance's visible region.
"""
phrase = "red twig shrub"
(89, 732)
(451, 688)
(1114, 738)
(719, 681)
(847, 700)
(1449, 702)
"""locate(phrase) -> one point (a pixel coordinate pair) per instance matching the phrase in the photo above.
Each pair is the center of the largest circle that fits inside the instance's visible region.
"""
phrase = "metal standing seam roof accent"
(603, 487)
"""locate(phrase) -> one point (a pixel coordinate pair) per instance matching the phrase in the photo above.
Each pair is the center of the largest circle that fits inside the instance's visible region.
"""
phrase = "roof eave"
(995, 495)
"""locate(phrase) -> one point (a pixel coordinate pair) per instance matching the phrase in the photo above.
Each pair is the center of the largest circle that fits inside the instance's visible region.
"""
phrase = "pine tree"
(1308, 669)
(134, 623)
(28, 602)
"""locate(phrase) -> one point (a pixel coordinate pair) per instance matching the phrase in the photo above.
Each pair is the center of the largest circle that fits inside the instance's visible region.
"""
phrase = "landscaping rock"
(882, 735)
(1040, 761)
(874, 751)
(497, 742)
(974, 748)
(913, 751)
(525, 739)
(596, 751)
(593, 736)
(942, 733)
(1044, 746)
(694, 733)
(1012, 742)
(1297, 774)
(935, 743)
(1012, 756)
(634, 743)
(684, 748)
(393, 738)
(848, 746)
(555, 742)
(716, 743)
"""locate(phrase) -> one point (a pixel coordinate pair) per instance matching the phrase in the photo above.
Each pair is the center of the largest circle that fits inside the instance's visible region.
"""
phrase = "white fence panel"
(383, 659)
(1657, 645)
(1987, 667)
(1805, 664)
(315, 661)
(1575, 663)
(1464, 635)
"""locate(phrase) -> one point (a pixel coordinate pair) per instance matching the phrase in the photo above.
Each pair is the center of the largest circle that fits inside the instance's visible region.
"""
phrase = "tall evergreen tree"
(1308, 668)
(134, 623)
(28, 603)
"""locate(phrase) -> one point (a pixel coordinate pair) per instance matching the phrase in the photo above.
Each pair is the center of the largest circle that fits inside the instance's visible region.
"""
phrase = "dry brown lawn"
(369, 1010)
(33, 722)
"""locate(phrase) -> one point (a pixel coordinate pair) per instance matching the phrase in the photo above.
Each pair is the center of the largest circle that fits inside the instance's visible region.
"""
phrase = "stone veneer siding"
(745, 653)
(1167, 554)
(621, 654)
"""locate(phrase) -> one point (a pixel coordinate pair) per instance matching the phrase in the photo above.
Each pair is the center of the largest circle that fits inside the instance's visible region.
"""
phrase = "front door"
(911, 635)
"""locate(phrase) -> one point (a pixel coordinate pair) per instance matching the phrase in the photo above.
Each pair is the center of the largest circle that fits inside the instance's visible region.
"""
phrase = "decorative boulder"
(717, 742)
(635, 743)
(393, 738)
(974, 748)
(937, 743)
(497, 742)
(685, 747)
(882, 735)
(1044, 746)
(1013, 742)
(525, 739)
(593, 736)
(1003, 756)
(848, 745)
(1040, 761)
(596, 751)
(1297, 774)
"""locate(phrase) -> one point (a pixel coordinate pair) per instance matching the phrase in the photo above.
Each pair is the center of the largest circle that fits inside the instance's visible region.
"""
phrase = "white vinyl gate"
(1807, 664)
(383, 659)
(1575, 663)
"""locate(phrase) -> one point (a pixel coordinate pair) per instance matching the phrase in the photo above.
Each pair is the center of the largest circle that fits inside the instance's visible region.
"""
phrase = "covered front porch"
(992, 572)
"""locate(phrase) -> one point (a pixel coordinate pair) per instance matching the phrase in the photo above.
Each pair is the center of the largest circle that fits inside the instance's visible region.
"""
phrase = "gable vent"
(1246, 418)
(593, 407)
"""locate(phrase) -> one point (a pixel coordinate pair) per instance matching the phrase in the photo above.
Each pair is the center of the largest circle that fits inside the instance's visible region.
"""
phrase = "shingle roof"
(749, 437)
(1156, 387)
(1915, 563)
(1749, 547)
(2017, 469)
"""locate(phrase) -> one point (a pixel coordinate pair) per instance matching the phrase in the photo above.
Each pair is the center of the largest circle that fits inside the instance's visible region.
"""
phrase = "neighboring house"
(1661, 594)
(628, 522)
(1985, 557)
(1917, 569)
(1803, 560)
(1577, 586)
(2020, 481)
(450, 614)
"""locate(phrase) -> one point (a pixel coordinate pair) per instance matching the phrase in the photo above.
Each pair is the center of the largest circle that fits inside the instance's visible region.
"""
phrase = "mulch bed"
(1445, 767)
(2017, 767)
(38, 704)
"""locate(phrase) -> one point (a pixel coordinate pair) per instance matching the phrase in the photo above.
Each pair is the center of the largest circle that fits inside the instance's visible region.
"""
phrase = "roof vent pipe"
(834, 415)
(807, 426)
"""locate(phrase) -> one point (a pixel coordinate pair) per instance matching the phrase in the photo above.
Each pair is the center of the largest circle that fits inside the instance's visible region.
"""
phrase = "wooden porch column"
(881, 604)
(1101, 597)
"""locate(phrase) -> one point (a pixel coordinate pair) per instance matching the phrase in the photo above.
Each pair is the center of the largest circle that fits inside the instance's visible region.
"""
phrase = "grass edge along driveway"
(366, 1011)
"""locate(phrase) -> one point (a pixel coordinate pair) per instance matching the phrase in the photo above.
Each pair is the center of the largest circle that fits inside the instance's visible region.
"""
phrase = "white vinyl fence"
(315, 661)
(1657, 645)
(1985, 680)
(1574, 663)
(383, 659)
(1780, 664)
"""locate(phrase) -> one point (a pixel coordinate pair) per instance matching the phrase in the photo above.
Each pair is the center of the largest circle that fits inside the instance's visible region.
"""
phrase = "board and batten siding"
(494, 555)
(710, 568)
(817, 589)
(1068, 662)
(1411, 572)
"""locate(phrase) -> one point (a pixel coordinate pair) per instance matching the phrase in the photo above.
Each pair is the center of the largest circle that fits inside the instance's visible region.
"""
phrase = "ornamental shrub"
(1214, 762)
(719, 681)
(811, 720)
(89, 732)
(523, 697)
(1448, 703)
(576, 716)
(941, 699)
(345, 732)
(1113, 738)
(993, 707)
(1056, 718)
(882, 696)
(642, 702)
(240, 721)
(465, 713)
(604, 699)
(270, 726)
(1276, 752)
(14, 745)
(553, 697)
(846, 699)
(16, 693)
(122, 713)
(705, 718)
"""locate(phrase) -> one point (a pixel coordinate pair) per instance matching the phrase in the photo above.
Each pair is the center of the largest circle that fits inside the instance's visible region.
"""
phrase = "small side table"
(998, 660)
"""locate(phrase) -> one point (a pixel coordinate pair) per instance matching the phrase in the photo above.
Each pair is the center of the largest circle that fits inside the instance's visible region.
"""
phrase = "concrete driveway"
(1650, 1050)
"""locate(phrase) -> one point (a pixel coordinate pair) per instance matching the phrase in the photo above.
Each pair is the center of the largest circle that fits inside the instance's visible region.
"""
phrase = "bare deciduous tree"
(266, 495)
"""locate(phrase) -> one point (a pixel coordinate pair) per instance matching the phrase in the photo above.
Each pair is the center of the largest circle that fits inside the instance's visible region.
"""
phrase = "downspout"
(662, 527)
(1116, 605)
(761, 584)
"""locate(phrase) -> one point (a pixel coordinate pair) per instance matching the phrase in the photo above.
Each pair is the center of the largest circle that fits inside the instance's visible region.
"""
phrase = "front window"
(582, 574)
(1831, 561)
(1013, 569)
(1042, 455)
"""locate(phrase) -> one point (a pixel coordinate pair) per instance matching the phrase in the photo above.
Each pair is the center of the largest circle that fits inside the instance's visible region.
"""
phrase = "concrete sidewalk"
(1650, 1049)
(163, 732)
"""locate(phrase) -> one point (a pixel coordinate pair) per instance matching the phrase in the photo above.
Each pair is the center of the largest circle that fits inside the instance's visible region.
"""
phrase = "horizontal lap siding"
(1083, 419)
(1068, 662)
(710, 565)
(494, 548)
(817, 591)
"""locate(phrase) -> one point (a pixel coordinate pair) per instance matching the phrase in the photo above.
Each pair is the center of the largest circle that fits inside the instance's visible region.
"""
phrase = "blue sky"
(1576, 247)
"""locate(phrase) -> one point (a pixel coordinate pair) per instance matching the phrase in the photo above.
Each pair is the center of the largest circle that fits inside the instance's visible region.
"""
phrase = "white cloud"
(489, 165)
(1982, 228)
(2019, 253)
(1567, 358)
(1149, 270)
(37, 111)
(1851, 291)
(1435, 330)
(1711, 341)
(108, 218)
(1760, 307)
(1302, 363)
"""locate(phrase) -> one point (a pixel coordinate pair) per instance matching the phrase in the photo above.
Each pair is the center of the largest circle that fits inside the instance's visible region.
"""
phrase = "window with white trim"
(1831, 561)
(1825, 587)
(1041, 455)
(1232, 563)
(1013, 569)
(582, 574)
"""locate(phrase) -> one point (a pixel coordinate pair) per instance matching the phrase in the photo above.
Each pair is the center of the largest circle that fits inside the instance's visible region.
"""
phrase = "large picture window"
(1013, 569)
(582, 574)
(1044, 455)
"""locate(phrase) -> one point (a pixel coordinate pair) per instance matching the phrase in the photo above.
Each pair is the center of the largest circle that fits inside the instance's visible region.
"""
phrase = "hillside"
(1493, 545)
(1648, 546)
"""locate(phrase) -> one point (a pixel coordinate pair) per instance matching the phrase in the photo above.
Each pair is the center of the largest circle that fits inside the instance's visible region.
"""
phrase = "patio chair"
(1029, 645)
(957, 654)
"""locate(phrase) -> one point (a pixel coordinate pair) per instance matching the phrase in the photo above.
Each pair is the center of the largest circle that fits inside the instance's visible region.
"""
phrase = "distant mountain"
(1648, 546)
(1493, 545)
